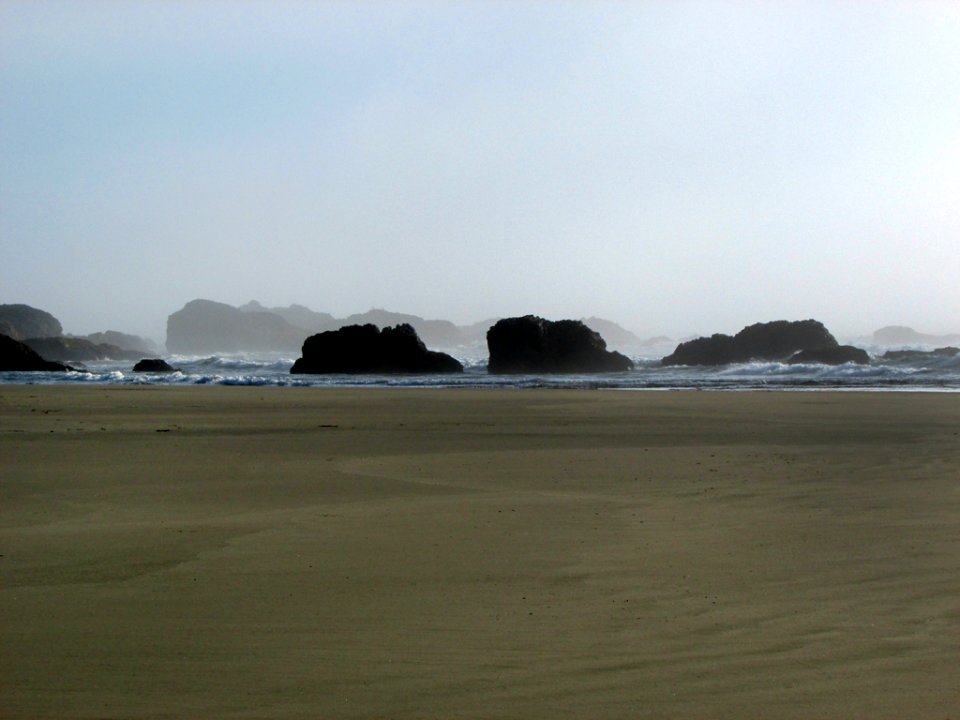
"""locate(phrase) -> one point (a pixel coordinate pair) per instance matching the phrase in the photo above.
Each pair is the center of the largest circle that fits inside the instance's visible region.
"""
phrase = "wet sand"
(212, 552)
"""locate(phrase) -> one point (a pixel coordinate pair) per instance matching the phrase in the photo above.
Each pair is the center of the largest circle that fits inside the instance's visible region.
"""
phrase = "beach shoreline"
(183, 552)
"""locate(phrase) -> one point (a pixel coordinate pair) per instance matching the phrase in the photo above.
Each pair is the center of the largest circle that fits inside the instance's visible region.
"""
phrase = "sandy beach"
(210, 552)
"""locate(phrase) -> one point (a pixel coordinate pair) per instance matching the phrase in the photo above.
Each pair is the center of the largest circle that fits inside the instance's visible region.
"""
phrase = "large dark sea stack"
(22, 321)
(778, 340)
(17, 357)
(366, 349)
(531, 344)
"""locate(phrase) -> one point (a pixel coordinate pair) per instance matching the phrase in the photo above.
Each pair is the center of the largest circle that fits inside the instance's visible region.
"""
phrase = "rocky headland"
(22, 321)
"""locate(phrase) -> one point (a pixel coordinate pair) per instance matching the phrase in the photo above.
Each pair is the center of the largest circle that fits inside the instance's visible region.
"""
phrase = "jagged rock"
(17, 356)
(22, 321)
(837, 355)
(203, 327)
(777, 340)
(365, 349)
(531, 344)
(920, 354)
(72, 349)
(154, 365)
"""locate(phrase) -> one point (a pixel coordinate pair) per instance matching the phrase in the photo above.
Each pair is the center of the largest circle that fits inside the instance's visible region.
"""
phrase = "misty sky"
(677, 167)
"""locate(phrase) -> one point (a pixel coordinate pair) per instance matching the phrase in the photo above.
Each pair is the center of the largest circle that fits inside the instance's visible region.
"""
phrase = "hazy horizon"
(677, 168)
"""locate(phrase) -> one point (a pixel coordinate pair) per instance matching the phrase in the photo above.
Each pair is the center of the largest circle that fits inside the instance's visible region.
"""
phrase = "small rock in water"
(154, 365)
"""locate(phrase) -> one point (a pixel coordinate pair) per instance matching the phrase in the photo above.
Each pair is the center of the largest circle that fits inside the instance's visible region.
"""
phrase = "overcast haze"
(677, 167)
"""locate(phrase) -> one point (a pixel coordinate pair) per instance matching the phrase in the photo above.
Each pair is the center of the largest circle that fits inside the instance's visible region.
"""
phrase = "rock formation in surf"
(777, 340)
(154, 365)
(837, 355)
(531, 344)
(366, 349)
(16, 356)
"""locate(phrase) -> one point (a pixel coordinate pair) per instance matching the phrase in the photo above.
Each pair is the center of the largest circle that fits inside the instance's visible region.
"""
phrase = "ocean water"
(931, 374)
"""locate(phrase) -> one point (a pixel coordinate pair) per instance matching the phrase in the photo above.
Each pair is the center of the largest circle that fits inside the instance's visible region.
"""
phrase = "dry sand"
(308, 553)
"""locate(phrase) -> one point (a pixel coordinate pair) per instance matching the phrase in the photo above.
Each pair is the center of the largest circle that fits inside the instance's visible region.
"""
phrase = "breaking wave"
(929, 373)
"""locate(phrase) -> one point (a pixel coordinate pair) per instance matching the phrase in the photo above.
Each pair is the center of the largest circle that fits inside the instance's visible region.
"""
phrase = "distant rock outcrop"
(298, 315)
(612, 333)
(837, 355)
(204, 326)
(74, 349)
(441, 333)
(16, 356)
(894, 335)
(365, 349)
(155, 365)
(22, 321)
(131, 343)
(777, 340)
(476, 332)
(531, 344)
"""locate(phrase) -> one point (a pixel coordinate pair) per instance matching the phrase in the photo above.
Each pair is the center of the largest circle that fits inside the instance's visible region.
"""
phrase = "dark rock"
(17, 356)
(73, 349)
(22, 321)
(832, 356)
(365, 349)
(920, 354)
(203, 327)
(531, 344)
(154, 365)
(718, 349)
(777, 340)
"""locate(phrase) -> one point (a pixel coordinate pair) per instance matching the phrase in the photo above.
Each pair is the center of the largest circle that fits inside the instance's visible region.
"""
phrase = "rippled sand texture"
(304, 553)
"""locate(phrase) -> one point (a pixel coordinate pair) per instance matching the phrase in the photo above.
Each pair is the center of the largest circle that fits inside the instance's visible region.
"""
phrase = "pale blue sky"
(678, 167)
